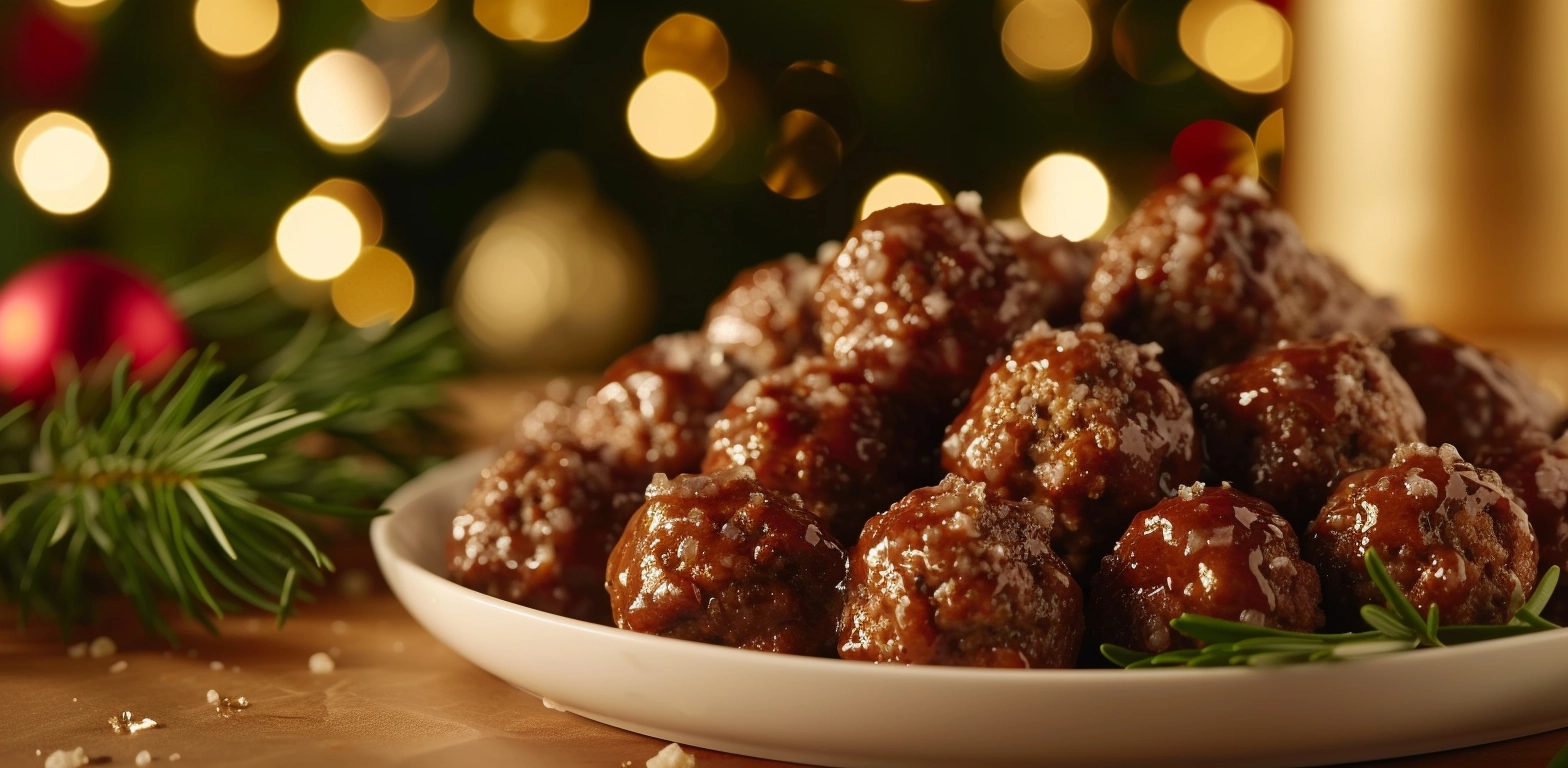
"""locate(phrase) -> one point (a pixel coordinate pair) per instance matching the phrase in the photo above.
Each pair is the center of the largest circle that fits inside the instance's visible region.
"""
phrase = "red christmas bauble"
(71, 310)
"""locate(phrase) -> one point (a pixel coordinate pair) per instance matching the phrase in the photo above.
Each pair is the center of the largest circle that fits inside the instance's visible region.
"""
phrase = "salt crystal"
(321, 664)
(212, 696)
(672, 756)
(550, 704)
(101, 647)
(119, 666)
(173, 756)
(144, 758)
(126, 723)
(968, 201)
(1189, 492)
(216, 666)
(77, 651)
(60, 758)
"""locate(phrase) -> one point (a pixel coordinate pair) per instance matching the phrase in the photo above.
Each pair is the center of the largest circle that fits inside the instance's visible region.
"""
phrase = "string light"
(62, 167)
(318, 238)
(1047, 39)
(343, 99)
(688, 43)
(377, 288)
(539, 21)
(1065, 194)
(399, 10)
(360, 201)
(898, 189)
(236, 29)
(1244, 43)
(672, 115)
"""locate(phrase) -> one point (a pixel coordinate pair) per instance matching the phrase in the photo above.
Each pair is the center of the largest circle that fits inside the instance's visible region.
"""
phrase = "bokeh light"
(1066, 195)
(1213, 148)
(1047, 39)
(672, 115)
(399, 10)
(377, 288)
(318, 238)
(538, 21)
(413, 58)
(805, 157)
(1143, 39)
(555, 278)
(1244, 43)
(62, 167)
(688, 43)
(901, 188)
(360, 201)
(78, 3)
(343, 99)
(820, 87)
(1269, 145)
(236, 28)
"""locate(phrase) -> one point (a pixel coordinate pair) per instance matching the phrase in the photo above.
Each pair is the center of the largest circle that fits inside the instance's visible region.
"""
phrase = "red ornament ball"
(68, 311)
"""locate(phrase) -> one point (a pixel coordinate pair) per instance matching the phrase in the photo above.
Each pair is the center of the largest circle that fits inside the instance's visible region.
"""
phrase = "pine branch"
(162, 492)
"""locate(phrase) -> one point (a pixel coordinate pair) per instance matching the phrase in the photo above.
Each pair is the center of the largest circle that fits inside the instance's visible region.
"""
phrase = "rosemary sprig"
(1396, 626)
(163, 492)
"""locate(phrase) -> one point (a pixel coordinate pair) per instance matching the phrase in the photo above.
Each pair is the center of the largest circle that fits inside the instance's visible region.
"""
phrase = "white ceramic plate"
(842, 713)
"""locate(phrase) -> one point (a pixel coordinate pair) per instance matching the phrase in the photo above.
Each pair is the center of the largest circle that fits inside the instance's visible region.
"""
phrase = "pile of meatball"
(945, 442)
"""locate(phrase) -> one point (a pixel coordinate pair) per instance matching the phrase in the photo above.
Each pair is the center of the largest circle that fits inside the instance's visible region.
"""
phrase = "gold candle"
(1427, 150)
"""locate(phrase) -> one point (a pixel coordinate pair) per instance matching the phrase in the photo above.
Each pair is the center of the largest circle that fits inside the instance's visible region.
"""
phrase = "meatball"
(1287, 424)
(1450, 534)
(720, 559)
(1215, 272)
(948, 576)
(1080, 421)
(1474, 401)
(922, 297)
(1060, 266)
(1211, 551)
(820, 431)
(537, 530)
(653, 410)
(1538, 476)
(764, 320)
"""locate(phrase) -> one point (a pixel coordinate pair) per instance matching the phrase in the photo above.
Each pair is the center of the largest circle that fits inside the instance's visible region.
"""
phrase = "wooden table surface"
(396, 698)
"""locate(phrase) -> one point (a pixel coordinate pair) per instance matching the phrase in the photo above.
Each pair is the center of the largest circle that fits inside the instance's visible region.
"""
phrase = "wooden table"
(396, 698)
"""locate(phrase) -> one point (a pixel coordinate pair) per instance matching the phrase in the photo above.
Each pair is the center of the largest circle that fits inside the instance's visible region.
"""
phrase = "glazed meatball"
(948, 576)
(1450, 534)
(1538, 476)
(1083, 422)
(720, 559)
(820, 431)
(1287, 424)
(922, 297)
(1215, 272)
(1211, 551)
(537, 530)
(1474, 401)
(656, 403)
(1060, 266)
(765, 318)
